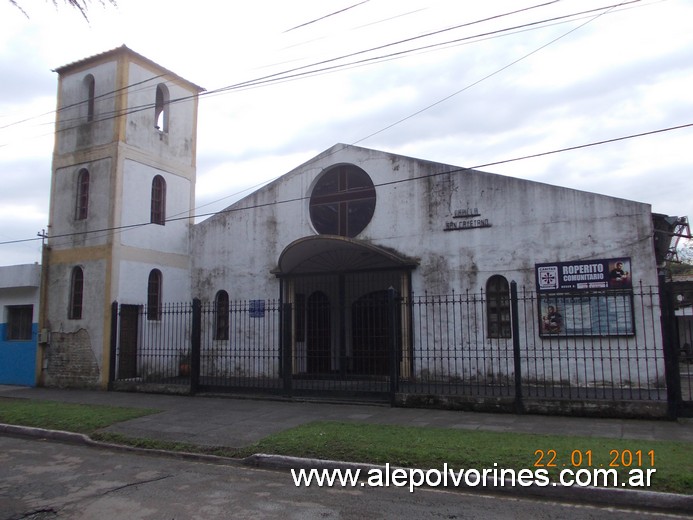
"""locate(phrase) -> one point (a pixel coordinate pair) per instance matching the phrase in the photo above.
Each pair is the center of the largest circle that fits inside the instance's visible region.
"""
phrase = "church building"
(334, 237)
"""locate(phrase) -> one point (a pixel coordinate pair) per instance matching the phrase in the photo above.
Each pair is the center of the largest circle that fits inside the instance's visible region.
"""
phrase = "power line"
(148, 106)
(498, 71)
(292, 73)
(420, 111)
(388, 183)
(105, 95)
(326, 16)
(601, 13)
(287, 76)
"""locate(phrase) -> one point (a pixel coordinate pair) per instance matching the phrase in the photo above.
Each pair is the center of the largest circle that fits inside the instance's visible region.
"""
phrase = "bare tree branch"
(81, 5)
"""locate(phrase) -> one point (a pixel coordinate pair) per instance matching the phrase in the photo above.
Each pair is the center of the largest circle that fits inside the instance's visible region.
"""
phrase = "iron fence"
(417, 350)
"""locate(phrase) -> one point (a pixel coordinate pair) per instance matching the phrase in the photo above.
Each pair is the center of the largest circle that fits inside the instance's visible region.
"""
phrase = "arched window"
(498, 307)
(221, 315)
(82, 201)
(161, 108)
(343, 201)
(74, 311)
(158, 207)
(154, 295)
(89, 89)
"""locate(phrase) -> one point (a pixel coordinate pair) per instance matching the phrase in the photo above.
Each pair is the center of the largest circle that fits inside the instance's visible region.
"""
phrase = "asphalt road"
(45, 480)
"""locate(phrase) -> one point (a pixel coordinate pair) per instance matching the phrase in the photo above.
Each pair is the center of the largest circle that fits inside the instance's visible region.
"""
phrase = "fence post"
(519, 405)
(285, 347)
(392, 344)
(670, 349)
(195, 345)
(114, 345)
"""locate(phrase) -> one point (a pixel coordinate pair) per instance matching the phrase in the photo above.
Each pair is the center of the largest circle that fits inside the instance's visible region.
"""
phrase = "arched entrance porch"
(341, 325)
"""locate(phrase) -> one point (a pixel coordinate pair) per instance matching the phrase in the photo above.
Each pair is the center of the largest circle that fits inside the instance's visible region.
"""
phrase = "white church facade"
(333, 238)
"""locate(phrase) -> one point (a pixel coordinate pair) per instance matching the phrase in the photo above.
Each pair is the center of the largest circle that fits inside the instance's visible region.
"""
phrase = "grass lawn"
(430, 448)
(421, 447)
(52, 415)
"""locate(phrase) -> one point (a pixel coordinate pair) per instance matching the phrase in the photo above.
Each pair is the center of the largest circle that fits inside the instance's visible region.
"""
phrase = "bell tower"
(121, 206)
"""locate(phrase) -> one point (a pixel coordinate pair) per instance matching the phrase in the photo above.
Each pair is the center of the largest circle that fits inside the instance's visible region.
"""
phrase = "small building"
(334, 239)
(19, 304)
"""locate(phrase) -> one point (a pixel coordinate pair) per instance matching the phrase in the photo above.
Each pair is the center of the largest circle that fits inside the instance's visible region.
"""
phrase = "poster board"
(585, 298)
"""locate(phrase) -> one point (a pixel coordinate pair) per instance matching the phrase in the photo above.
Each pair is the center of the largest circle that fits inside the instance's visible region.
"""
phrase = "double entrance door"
(346, 324)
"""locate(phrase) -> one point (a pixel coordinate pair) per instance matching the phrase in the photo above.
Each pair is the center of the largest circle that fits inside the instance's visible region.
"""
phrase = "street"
(43, 480)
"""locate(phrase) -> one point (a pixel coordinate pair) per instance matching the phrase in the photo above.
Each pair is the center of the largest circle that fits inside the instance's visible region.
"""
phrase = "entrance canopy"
(329, 253)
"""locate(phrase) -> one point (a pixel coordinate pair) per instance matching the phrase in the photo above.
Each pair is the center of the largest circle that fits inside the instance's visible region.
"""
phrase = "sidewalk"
(236, 423)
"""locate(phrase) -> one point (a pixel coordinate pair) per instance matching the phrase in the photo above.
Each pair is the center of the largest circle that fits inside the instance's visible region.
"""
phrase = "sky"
(461, 82)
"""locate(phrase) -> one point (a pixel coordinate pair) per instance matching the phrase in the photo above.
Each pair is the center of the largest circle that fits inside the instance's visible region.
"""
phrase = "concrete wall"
(178, 143)
(74, 355)
(72, 233)
(530, 223)
(116, 245)
(19, 285)
(173, 237)
(76, 133)
(417, 215)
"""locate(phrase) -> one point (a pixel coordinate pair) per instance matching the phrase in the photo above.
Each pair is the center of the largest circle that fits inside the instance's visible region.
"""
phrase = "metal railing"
(418, 350)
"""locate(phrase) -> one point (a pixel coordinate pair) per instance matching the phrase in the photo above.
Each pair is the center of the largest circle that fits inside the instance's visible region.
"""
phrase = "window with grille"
(19, 319)
(154, 295)
(343, 201)
(76, 293)
(158, 203)
(82, 203)
(498, 307)
(221, 315)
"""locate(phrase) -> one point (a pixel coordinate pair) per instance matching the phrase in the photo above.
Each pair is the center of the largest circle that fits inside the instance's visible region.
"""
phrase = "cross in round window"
(343, 201)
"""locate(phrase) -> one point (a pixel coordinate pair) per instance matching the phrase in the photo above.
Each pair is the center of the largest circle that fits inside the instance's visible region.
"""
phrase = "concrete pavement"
(236, 423)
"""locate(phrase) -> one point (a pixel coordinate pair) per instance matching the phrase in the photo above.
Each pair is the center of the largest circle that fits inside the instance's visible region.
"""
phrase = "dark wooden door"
(127, 353)
(318, 333)
(370, 334)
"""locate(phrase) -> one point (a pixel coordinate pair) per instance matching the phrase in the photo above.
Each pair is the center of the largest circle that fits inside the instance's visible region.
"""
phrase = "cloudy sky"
(462, 82)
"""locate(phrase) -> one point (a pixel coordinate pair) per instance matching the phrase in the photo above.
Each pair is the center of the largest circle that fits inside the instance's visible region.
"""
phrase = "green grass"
(79, 418)
(421, 447)
(158, 444)
(461, 449)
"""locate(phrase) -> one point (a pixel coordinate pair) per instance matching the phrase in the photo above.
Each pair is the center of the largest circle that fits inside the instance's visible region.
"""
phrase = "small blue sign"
(257, 308)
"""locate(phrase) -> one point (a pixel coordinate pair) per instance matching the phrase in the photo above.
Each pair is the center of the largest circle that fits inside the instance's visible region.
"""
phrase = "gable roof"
(124, 49)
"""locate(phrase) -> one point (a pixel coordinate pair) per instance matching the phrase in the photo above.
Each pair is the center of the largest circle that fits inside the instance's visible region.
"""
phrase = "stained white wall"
(176, 145)
(75, 132)
(530, 222)
(68, 231)
(137, 186)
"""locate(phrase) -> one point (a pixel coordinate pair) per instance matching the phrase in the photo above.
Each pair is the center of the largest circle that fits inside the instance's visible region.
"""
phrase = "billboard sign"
(610, 273)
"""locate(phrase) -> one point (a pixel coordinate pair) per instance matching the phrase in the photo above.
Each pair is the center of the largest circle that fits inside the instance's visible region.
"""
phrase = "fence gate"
(677, 325)
(368, 338)
(127, 354)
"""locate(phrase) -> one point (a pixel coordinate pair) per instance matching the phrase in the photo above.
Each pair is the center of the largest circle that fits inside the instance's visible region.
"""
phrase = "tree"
(81, 5)
(684, 253)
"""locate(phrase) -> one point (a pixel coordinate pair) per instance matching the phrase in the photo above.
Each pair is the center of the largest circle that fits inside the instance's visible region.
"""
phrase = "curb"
(625, 498)
(85, 440)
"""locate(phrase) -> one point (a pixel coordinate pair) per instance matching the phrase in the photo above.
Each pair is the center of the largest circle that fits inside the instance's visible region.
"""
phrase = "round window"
(343, 201)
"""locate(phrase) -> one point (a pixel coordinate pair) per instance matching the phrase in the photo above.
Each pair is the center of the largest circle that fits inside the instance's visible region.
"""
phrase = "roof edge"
(124, 49)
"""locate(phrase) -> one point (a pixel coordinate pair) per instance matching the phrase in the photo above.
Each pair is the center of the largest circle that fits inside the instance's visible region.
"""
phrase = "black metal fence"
(459, 350)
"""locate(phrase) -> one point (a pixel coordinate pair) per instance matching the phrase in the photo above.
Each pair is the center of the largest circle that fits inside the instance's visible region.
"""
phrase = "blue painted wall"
(18, 359)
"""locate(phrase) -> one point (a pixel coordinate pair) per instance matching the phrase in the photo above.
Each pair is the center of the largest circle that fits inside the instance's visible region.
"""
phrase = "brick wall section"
(70, 361)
